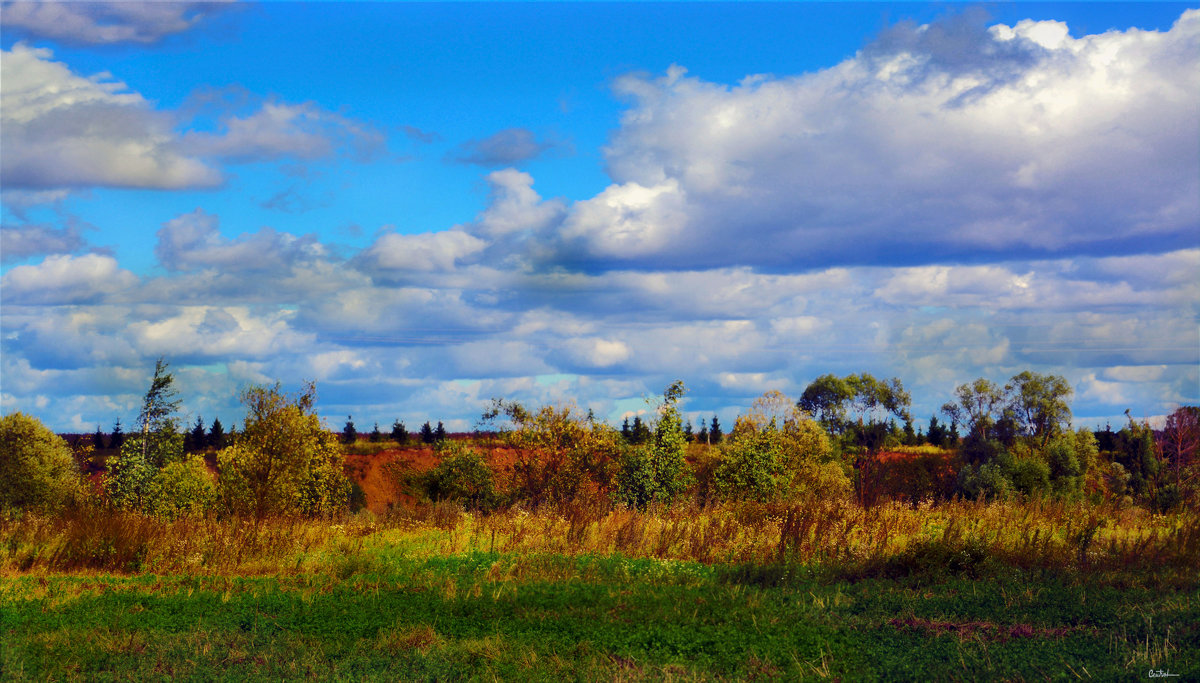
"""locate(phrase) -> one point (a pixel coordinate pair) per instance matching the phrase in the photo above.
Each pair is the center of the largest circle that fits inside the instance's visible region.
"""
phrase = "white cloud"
(218, 332)
(104, 23)
(921, 148)
(425, 252)
(629, 221)
(598, 353)
(514, 206)
(65, 131)
(61, 130)
(193, 241)
(279, 130)
(64, 279)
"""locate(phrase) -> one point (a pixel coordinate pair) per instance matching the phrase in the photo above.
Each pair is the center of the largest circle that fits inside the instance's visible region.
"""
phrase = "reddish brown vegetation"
(376, 473)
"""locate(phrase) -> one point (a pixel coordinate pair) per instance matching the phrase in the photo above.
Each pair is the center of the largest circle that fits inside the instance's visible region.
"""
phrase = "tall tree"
(439, 434)
(427, 432)
(157, 422)
(657, 472)
(98, 438)
(376, 435)
(936, 436)
(349, 433)
(977, 406)
(825, 398)
(1040, 404)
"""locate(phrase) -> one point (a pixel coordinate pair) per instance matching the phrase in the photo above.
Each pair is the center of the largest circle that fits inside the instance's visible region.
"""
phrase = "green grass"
(1017, 592)
(517, 617)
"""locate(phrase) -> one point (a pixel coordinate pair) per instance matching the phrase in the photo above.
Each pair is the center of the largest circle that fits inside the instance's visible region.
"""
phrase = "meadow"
(1014, 590)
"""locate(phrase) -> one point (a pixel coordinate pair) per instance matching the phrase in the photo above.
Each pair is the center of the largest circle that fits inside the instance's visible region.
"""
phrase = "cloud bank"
(956, 200)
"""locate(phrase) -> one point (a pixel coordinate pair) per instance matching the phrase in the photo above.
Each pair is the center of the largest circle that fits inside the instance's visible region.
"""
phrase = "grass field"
(957, 592)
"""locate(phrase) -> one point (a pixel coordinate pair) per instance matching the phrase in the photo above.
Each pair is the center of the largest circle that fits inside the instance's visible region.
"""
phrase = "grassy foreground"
(813, 591)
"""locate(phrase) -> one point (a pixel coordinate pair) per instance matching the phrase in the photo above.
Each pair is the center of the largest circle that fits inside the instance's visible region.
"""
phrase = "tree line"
(841, 439)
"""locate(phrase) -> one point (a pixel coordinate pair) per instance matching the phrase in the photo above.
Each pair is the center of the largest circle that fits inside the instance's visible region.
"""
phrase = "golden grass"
(1034, 534)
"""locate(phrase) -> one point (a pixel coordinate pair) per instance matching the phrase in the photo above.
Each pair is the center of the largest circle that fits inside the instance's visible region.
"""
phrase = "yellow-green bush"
(37, 469)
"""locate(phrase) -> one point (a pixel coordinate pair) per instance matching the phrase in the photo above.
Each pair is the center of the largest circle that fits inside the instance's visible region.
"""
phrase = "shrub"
(1066, 472)
(986, 482)
(282, 462)
(129, 482)
(1029, 476)
(776, 452)
(657, 472)
(182, 489)
(561, 454)
(462, 476)
(37, 469)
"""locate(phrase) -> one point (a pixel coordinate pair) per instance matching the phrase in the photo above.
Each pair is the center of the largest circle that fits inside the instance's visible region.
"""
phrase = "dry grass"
(893, 539)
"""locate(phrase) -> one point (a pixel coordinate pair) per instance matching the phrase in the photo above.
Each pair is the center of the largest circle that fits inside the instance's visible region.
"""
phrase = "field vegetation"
(817, 539)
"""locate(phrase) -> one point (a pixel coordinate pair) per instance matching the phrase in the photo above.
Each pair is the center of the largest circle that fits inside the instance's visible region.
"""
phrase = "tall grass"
(843, 538)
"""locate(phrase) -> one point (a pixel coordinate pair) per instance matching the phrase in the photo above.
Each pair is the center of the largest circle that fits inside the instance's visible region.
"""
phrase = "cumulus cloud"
(193, 241)
(936, 143)
(104, 23)
(396, 253)
(64, 279)
(955, 201)
(61, 130)
(217, 332)
(66, 131)
(19, 242)
(505, 148)
(514, 207)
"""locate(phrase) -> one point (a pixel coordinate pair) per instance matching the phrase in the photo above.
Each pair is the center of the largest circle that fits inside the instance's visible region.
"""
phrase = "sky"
(422, 207)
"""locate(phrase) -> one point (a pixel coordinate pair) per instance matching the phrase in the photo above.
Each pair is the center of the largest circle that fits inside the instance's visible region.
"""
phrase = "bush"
(462, 476)
(777, 453)
(1066, 472)
(560, 454)
(37, 469)
(1029, 476)
(183, 489)
(283, 462)
(657, 472)
(986, 482)
(129, 482)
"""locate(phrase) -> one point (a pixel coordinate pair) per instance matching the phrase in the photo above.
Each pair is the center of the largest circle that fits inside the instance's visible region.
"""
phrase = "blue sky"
(422, 206)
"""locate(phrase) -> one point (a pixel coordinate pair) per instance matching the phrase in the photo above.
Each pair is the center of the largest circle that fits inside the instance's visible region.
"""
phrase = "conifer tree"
(714, 431)
(426, 433)
(349, 433)
(216, 434)
(98, 438)
(399, 433)
(118, 437)
(376, 435)
(439, 434)
(197, 441)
